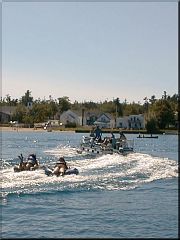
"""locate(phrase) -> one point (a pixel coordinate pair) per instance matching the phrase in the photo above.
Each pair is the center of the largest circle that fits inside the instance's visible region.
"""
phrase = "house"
(122, 122)
(131, 122)
(6, 113)
(105, 120)
(70, 117)
(4, 117)
(136, 121)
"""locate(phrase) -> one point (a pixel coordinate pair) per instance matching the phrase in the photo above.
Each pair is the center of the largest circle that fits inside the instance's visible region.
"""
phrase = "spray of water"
(105, 172)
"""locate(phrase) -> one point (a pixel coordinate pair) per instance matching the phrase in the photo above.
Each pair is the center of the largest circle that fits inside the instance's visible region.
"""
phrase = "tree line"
(159, 113)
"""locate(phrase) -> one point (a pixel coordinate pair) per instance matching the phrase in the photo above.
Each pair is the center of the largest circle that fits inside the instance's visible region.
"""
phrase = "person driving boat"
(98, 134)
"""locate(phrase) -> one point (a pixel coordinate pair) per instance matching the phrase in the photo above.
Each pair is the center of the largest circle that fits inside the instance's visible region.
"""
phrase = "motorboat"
(92, 146)
(142, 136)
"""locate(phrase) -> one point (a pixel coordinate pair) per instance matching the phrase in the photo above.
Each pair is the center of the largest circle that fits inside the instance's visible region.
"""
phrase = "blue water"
(114, 196)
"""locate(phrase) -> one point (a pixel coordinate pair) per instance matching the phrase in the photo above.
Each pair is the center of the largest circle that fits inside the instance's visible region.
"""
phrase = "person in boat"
(113, 140)
(122, 139)
(31, 163)
(106, 141)
(122, 136)
(98, 134)
(60, 167)
(92, 134)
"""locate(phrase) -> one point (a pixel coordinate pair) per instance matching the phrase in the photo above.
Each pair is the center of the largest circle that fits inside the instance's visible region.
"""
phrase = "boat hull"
(104, 150)
(148, 137)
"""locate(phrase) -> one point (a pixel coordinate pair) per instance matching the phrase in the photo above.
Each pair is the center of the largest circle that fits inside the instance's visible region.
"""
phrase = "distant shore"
(22, 129)
(14, 129)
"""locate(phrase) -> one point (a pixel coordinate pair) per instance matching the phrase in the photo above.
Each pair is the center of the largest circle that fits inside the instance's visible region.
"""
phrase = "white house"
(122, 122)
(136, 121)
(105, 120)
(70, 117)
(131, 122)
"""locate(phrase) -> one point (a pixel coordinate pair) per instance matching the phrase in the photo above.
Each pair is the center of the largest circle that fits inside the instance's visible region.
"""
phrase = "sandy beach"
(20, 129)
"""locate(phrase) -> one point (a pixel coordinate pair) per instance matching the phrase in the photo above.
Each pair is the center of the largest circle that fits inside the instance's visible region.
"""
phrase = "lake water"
(114, 196)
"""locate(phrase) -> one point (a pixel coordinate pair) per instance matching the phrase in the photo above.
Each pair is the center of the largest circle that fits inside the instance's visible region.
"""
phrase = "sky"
(90, 51)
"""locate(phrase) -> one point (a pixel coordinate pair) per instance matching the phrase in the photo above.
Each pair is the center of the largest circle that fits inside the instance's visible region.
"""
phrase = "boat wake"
(105, 172)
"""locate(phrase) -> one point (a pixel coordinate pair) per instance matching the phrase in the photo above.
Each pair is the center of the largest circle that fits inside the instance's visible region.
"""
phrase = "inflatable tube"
(72, 171)
(69, 171)
(18, 169)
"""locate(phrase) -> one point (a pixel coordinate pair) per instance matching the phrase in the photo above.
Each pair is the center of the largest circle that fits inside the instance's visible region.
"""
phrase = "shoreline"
(21, 129)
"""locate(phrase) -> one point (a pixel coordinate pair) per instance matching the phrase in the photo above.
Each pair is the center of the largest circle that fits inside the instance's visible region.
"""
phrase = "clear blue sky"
(90, 51)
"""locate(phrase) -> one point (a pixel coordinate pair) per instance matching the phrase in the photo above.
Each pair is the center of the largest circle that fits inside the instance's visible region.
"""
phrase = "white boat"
(92, 146)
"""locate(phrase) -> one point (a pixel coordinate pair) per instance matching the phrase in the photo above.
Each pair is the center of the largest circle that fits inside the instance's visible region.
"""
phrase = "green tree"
(8, 99)
(153, 99)
(19, 114)
(89, 105)
(164, 113)
(52, 109)
(28, 119)
(118, 107)
(152, 126)
(132, 109)
(40, 112)
(108, 107)
(26, 98)
(64, 104)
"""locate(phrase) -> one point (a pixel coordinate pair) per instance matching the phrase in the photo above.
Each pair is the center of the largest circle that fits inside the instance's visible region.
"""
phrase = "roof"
(9, 110)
